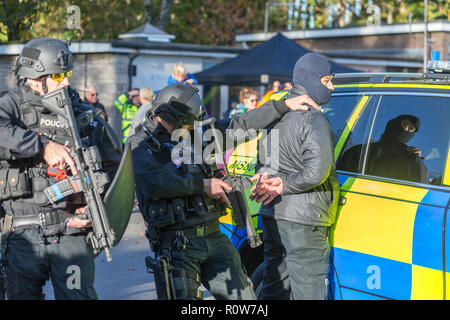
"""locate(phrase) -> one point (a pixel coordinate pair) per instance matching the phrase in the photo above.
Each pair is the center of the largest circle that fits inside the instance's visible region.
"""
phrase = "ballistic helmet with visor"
(44, 56)
(179, 104)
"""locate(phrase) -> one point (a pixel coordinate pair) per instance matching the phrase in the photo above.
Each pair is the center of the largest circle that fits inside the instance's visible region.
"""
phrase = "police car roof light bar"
(439, 66)
(387, 77)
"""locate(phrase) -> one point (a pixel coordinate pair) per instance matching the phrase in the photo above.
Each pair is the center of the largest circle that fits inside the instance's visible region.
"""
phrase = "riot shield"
(119, 198)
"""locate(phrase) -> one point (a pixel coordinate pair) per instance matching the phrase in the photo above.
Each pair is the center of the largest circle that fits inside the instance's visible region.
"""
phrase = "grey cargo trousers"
(296, 261)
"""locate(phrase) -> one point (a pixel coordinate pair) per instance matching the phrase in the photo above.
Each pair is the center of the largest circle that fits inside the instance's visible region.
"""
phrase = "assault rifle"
(90, 179)
(241, 212)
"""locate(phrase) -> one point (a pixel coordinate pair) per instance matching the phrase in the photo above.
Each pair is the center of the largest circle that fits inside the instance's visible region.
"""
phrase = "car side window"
(350, 157)
(338, 111)
(409, 140)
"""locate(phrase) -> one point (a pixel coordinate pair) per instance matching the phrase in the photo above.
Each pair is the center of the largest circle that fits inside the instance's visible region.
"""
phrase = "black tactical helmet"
(43, 56)
(179, 104)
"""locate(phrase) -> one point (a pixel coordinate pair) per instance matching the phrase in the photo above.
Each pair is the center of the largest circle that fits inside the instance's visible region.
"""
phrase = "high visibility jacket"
(127, 110)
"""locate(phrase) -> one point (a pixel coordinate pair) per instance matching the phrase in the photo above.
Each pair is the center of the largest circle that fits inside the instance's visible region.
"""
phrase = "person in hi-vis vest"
(128, 105)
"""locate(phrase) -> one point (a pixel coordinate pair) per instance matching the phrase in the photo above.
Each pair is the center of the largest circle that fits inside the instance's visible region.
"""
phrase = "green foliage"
(99, 19)
(212, 22)
(18, 17)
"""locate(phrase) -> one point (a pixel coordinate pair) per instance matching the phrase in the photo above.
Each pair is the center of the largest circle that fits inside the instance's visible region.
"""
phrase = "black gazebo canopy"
(275, 58)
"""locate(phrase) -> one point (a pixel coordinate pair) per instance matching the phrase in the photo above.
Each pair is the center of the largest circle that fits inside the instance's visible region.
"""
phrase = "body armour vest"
(179, 212)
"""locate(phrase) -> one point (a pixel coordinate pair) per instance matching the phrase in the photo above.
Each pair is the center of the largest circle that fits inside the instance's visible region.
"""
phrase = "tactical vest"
(178, 213)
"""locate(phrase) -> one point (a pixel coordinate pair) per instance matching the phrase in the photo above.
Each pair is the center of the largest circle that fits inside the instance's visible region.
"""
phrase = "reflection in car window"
(410, 139)
(338, 111)
(350, 156)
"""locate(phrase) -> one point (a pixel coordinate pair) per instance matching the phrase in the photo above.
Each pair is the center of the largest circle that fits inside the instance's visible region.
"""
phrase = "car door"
(387, 242)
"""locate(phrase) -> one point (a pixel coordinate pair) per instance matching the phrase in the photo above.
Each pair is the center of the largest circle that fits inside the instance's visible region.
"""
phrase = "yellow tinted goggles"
(61, 75)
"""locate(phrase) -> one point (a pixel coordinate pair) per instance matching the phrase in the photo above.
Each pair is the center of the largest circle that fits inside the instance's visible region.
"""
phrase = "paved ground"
(125, 277)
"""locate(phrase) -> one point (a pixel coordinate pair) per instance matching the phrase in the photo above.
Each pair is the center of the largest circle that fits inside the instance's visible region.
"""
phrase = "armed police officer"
(182, 203)
(42, 239)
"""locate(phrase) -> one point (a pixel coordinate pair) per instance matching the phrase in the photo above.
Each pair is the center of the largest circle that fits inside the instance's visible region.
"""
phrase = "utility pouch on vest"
(14, 183)
(199, 206)
(179, 209)
(39, 182)
(161, 214)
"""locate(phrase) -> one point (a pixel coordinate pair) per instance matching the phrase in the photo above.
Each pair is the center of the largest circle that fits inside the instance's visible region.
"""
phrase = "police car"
(391, 239)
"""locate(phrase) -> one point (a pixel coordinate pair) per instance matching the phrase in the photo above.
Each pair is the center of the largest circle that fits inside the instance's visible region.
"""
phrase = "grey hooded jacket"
(299, 149)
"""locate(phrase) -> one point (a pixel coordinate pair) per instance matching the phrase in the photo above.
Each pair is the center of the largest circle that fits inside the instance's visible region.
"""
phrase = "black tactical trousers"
(214, 262)
(296, 261)
(31, 260)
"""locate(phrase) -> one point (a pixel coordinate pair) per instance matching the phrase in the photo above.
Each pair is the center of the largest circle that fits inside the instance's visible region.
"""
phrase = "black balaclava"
(395, 132)
(307, 73)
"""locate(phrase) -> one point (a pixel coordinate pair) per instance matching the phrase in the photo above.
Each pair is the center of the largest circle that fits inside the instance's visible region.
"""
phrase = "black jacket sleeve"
(17, 142)
(244, 126)
(316, 156)
(261, 117)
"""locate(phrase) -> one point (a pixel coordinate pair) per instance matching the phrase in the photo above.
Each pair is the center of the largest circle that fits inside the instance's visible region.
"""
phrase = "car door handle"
(342, 200)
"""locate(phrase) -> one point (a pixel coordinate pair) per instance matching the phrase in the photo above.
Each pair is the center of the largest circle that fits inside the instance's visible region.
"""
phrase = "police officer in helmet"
(43, 240)
(182, 204)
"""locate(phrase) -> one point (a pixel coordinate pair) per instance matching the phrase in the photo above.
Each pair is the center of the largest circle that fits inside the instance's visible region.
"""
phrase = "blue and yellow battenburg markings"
(389, 243)
(446, 180)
